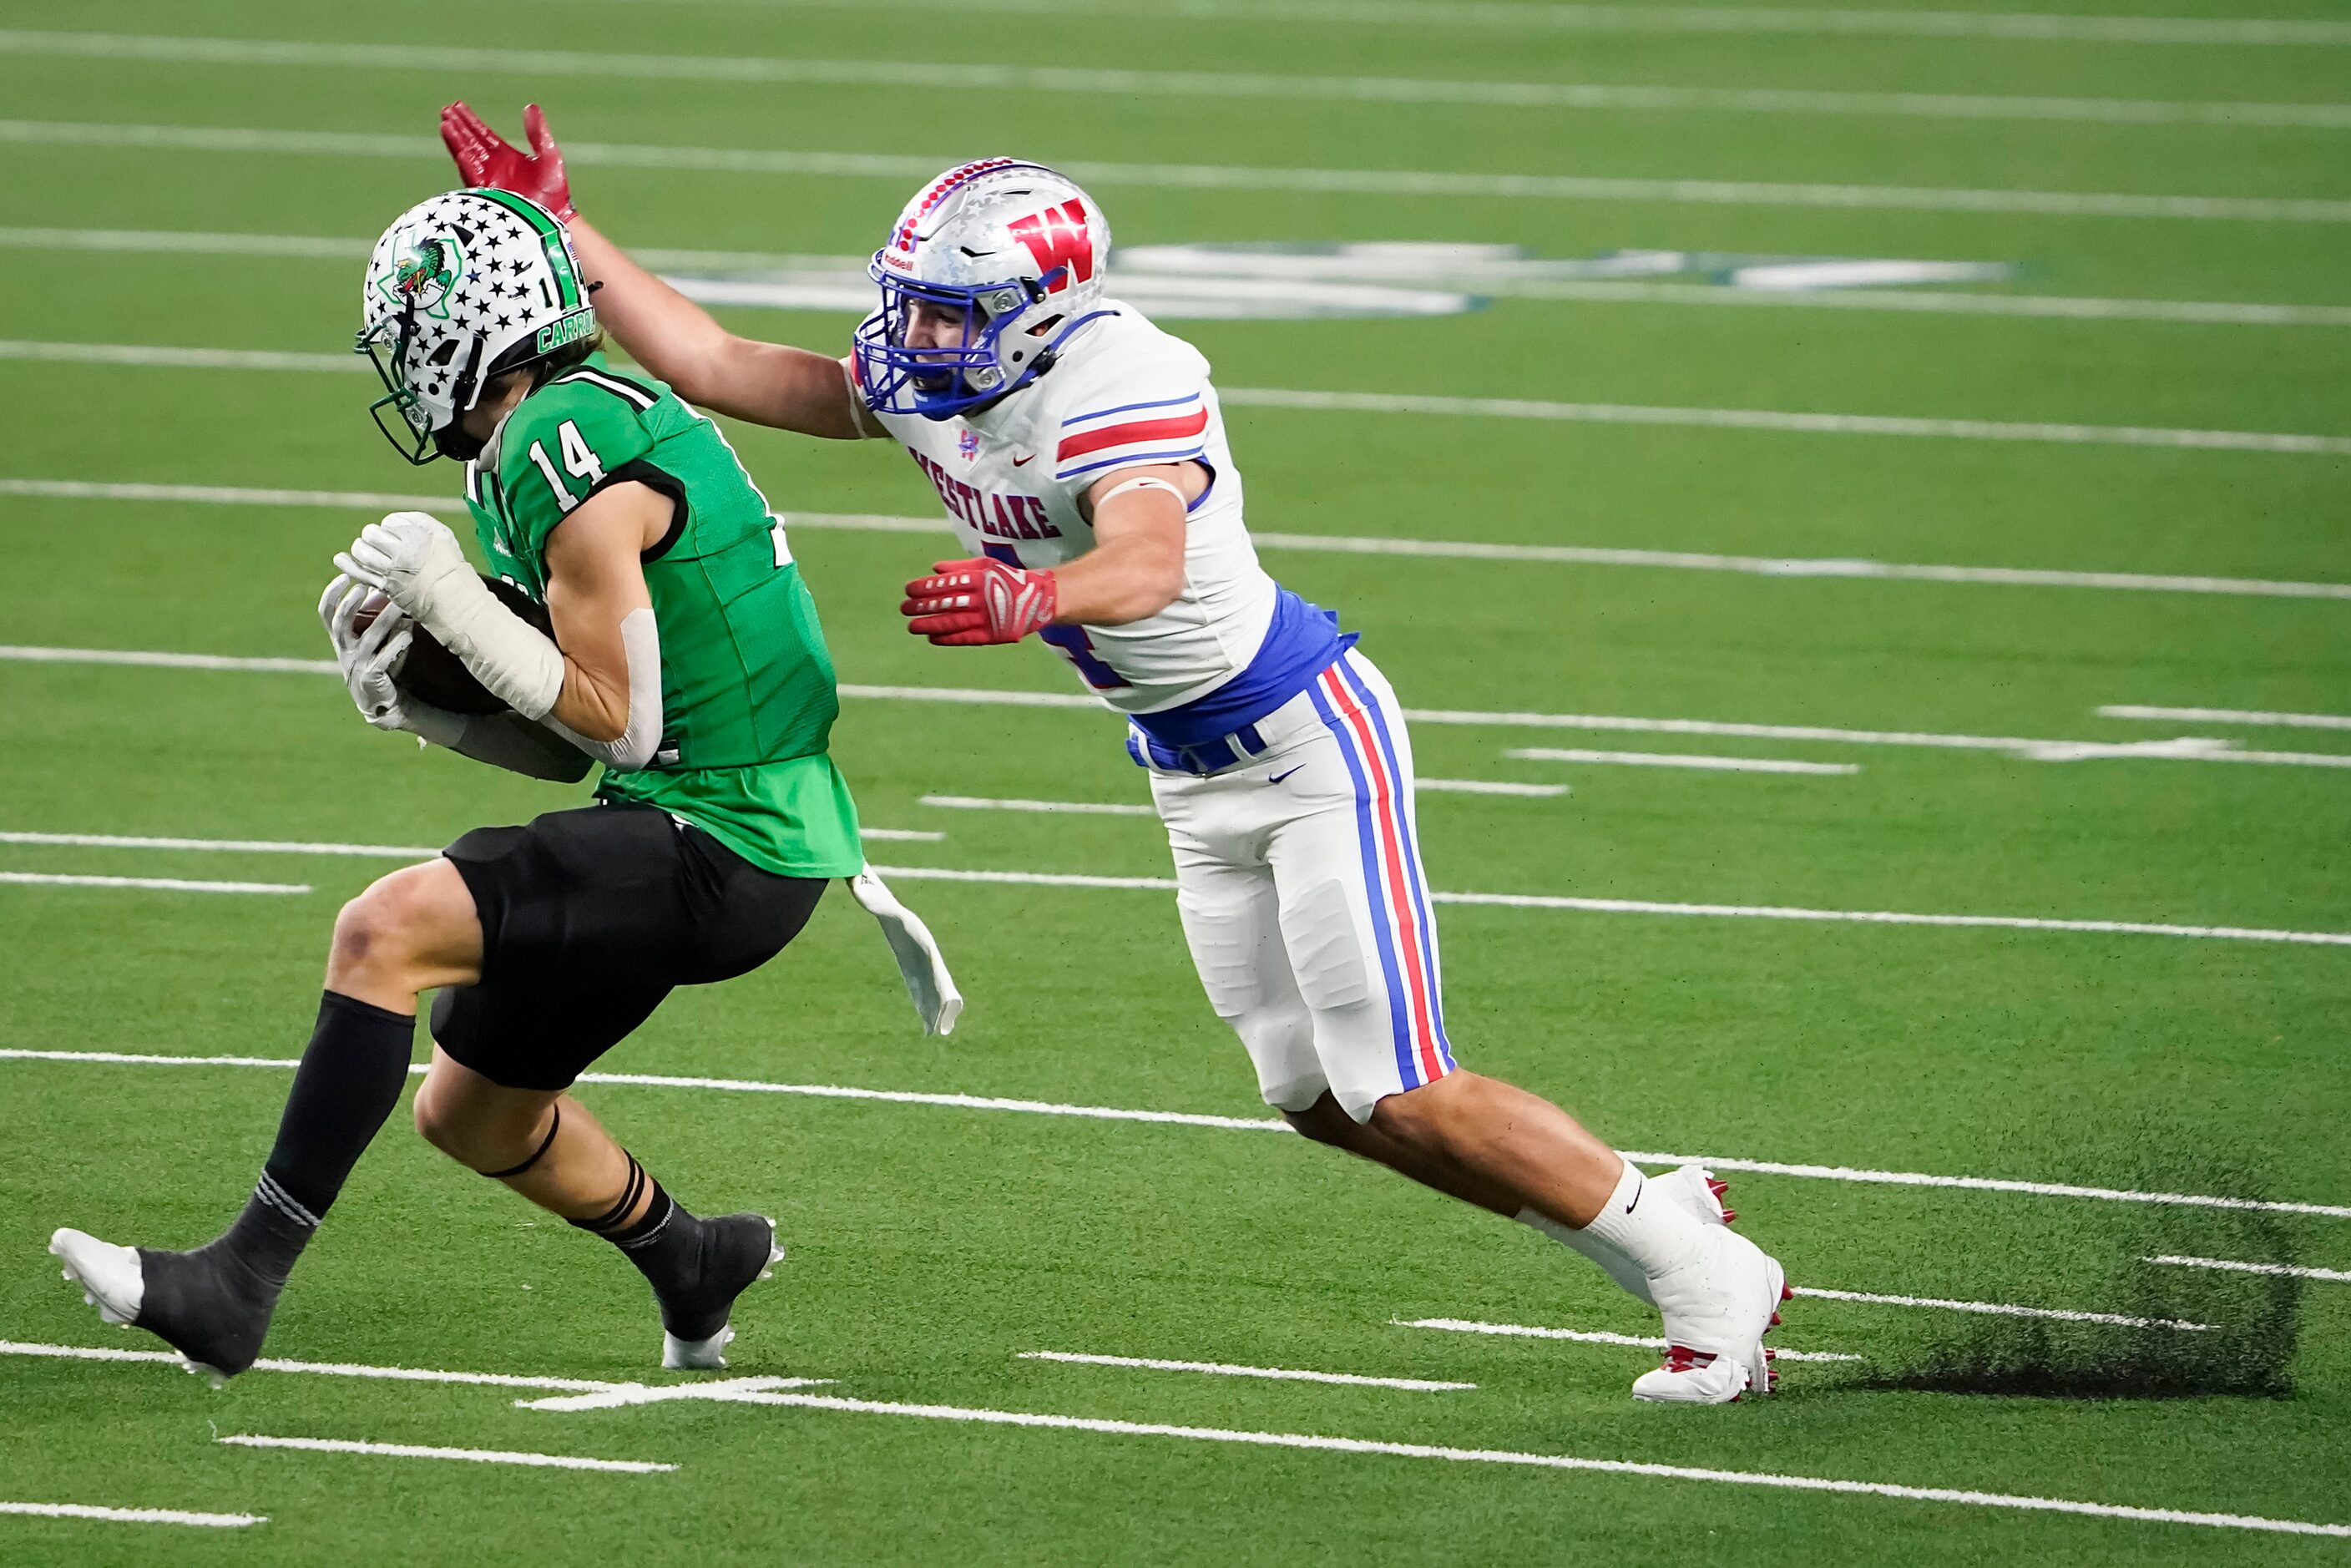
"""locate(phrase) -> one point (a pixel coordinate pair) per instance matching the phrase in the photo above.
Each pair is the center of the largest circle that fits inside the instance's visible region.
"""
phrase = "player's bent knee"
(400, 920)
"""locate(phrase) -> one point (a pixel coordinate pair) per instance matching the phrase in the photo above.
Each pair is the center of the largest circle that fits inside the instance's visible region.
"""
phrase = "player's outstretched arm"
(669, 335)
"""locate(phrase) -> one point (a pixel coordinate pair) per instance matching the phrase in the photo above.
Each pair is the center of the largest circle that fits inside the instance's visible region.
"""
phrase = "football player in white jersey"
(1079, 453)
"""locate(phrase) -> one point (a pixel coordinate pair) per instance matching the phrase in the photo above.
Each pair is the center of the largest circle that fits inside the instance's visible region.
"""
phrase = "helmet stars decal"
(460, 289)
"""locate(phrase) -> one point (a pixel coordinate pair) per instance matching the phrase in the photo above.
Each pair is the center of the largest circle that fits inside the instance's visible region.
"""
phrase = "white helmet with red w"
(1017, 250)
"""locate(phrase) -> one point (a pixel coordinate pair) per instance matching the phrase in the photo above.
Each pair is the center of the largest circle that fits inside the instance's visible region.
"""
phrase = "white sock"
(1619, 1268)
(1657, 1235)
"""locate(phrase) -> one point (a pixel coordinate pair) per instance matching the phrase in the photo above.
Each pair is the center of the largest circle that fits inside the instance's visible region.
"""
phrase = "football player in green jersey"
(684, 655)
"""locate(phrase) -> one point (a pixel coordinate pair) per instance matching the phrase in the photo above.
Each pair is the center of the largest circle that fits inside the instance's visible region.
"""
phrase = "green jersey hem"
(794, 818)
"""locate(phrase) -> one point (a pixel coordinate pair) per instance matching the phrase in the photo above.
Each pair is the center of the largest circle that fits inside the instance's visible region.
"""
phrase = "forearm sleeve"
(640, 646)
(521, 665)
(510, 741)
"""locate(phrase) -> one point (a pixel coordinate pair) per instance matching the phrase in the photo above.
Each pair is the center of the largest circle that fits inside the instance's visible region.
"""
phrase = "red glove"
(486, 159)
(971, 603)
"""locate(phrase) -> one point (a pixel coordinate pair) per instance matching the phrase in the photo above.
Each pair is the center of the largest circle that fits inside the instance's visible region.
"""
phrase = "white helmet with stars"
(1016, 248)
(462, 288)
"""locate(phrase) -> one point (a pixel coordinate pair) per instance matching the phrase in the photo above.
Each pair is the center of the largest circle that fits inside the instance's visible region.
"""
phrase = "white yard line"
(721, 1390)
(1711, 911)
(166, 660)
(1067, 808)
(1824, 1484)
(1226, 1369)
(902, 167)
(2006, 1310)
(293, 847)
(1678, 759)
(975, 76)
(1246, 1124)
(2237, 313)
(133, 1515)
(253, 846)
(2333, 1276)
(1334, 544)
(1786, 422)
(2227, 715)
(473, 1456)
(1939, 302)
(1490, 787)
(1774, 420)
(319, 1368)
(1589, 1336)
(152, 883)
(1451, 15)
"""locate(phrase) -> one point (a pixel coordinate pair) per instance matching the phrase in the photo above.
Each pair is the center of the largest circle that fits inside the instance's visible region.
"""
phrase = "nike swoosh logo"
(1280, 777)
(1017, 462)
(1637, 1195)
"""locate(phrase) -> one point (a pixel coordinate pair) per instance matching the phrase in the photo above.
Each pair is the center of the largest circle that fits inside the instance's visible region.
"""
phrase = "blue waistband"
(1300, 642)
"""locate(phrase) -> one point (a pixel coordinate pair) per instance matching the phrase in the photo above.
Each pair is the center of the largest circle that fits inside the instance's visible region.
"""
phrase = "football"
(431, 673)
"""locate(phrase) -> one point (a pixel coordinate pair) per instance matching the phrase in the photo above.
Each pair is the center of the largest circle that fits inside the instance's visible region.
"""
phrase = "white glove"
(417, 562)
(369, 660)
(411, 558)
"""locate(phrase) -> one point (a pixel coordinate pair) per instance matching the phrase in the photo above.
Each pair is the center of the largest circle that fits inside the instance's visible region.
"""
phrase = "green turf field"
(936, 1245)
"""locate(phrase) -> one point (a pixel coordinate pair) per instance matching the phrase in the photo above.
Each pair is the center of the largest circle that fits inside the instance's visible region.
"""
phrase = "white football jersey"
(1123, 395)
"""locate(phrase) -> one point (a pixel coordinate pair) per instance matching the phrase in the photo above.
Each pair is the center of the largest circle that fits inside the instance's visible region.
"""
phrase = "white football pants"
(1299, 882)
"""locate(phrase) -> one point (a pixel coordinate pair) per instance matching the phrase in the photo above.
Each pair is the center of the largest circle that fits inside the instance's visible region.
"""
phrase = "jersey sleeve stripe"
(1132, 433)
(1131, 407)
(627, 392)
(1129, 459)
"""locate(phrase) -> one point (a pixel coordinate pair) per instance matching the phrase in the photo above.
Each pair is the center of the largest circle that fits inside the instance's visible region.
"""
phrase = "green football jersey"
(748, 694)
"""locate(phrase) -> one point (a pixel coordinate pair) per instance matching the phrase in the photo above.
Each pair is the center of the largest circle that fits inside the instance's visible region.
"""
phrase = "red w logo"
(1057, 237)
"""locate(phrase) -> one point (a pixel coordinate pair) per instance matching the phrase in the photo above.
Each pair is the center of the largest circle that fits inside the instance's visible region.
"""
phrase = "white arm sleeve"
(521, 665)
(641, 647)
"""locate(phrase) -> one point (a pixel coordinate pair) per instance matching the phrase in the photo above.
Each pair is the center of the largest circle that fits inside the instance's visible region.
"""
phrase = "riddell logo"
(1059, 239)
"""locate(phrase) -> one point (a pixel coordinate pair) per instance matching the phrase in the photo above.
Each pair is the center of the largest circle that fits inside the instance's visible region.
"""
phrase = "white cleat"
(696, 1354)
(110, 1277)
(1718, 1307)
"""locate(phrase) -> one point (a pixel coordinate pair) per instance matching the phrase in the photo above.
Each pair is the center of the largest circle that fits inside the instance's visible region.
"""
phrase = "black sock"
(669, 1246)
(349, 1080)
